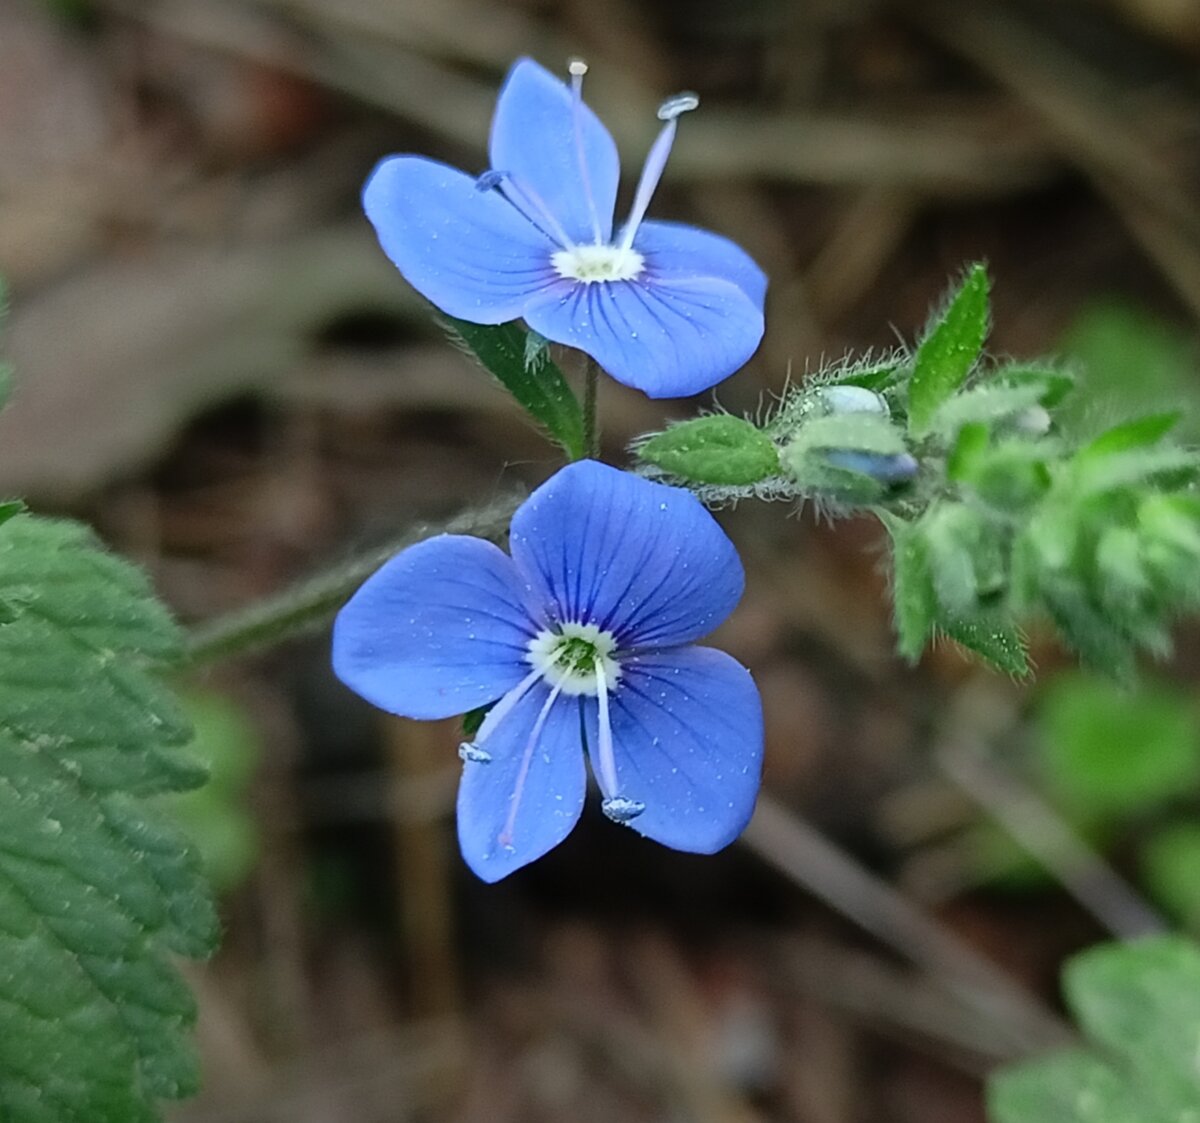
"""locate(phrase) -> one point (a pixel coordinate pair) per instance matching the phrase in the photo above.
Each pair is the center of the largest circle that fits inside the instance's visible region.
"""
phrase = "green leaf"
(1107, 752)
(949, 350)
(913, 602)
(1169, 861)
(719, 449)
(991, 636)
(1055, 382)
(1139, 1006)
(97, 892)
(1138, 433)
(530, 375)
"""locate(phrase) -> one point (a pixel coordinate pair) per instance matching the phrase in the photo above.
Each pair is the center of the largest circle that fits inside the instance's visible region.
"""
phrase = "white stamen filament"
(578, 69)
(473, 750)
(534, 208)
(656, 162)
(506, 835)
(606, 762)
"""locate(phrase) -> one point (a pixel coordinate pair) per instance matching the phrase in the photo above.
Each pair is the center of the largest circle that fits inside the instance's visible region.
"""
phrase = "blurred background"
(217, 367)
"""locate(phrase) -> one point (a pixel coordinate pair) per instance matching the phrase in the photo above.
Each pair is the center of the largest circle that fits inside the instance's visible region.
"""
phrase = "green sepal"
(950, 349)
(718, 449)
(471, 722)
(1055, 382)
(983, 404)
(914, 605)
(527, 372)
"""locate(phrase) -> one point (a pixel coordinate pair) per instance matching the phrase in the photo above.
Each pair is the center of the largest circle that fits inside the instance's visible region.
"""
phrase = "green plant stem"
(312, 603)
(591, 429)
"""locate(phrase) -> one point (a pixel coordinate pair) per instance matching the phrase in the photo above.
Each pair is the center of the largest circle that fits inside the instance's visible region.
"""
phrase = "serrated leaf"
(719, 449)
(1139, 1006)
(96, 892)
(949, 350)
(913, 602)
(530, 375)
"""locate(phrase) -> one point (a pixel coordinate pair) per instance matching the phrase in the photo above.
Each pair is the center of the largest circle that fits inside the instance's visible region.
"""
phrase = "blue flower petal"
(533, 137)
(668, 337)
(674, 251)
(441, 629)
(468, 251)
(637, 558)
(549, 797)
(688, 738)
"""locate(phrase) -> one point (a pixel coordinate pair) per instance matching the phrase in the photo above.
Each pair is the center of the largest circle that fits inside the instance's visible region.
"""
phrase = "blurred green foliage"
(1138, 1007)
(217, 817)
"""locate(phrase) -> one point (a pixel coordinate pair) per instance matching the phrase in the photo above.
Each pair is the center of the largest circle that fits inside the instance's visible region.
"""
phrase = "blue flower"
(583, 640)
(665, 308)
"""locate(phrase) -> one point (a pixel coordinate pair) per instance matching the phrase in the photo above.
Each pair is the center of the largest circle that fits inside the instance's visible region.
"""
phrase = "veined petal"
(642, 560)
(675, 251)
(470, 252)
(669, 337)
(441, 629)
(688, 737)
(533, 137)
(528, 797)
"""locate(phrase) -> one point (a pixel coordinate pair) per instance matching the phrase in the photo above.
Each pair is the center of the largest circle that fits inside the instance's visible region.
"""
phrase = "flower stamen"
(506, 835)
(527, 202)
(578, 69)
(656, 161)
(474, 750)
(619, 808)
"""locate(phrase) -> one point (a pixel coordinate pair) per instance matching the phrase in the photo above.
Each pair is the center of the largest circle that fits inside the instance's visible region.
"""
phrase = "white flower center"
(591, 263)
(568, 659)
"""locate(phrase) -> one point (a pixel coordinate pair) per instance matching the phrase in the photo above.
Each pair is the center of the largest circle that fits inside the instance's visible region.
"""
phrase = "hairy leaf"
(1139, 1006)
(524, 368)
(949, 350)
(719, 449)
(990, 636)
(96, 892)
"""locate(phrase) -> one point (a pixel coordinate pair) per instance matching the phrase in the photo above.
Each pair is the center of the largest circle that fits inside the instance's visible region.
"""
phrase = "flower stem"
(591, 431)
(312, 603)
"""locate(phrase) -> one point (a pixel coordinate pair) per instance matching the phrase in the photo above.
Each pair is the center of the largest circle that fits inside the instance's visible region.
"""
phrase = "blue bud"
(889, 468)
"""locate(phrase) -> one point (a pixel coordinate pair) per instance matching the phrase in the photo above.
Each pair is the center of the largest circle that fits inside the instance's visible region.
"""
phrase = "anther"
(678, 103)
(622, 809)
(474, 754)
(577, 68)
(489, 181)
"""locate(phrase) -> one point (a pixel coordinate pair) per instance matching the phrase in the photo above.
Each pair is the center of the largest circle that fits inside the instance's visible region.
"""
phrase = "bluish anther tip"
(677, 104)
(474, 753)
(489, 180)
(621, 809)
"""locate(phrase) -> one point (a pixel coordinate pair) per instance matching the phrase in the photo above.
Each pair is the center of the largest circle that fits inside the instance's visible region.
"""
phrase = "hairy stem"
(312, 603)
(591, 430)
